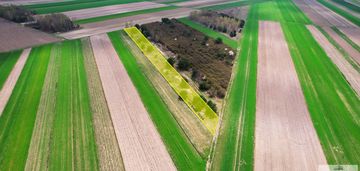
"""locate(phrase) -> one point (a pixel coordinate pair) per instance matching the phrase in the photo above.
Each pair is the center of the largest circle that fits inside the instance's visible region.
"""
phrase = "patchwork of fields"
(109, 99)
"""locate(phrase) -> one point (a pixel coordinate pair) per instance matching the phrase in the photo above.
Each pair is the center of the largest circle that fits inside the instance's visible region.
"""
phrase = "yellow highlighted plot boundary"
(206, 115)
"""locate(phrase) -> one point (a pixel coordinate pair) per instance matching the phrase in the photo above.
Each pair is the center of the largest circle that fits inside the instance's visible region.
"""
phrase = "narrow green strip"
(7, 63)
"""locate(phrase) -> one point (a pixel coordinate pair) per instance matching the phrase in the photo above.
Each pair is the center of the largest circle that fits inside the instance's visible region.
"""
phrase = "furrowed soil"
(285, 138)
(108, 151)
(140, 144)
(199, 136)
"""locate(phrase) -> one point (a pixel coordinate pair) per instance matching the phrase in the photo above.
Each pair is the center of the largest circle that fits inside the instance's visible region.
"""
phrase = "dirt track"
(10, 83)
(19, 37)
(140, 144)
(120, 23)
(344, 44)
(285, 138)
(351, 75)
(112, 9)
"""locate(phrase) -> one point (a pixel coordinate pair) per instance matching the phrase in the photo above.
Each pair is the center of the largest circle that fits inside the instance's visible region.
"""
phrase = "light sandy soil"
(10, 83)
(26, 2)
(140, 143)
(285, 138)
(39, 149)
(120, 23)
(351, 75)
(112, 9)
(108, 151)
(14, 36)
(197, 133)
(344, 44)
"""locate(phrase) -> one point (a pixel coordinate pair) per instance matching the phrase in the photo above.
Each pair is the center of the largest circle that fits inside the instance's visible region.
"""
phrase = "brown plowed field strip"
(285, 138)
(108, 151)
(200, 3)
(10, 83)
(26, 2)
(112, 9)
(120, 23)
(344, 44)
(140, 143)
(19, 37)
(351, 75)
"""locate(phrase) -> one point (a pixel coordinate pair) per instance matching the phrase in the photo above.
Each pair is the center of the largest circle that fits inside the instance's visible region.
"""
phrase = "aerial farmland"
(189, 85)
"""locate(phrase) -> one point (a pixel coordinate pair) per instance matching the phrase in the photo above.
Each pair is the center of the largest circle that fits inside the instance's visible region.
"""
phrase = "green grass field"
(17, 120)
(341, 12)
(108, 17)
(7, 62)
(235, 141)
(326, 91)
(209, 32)
(74, 5)
(206, 115)
(182, 152)
(73, 141)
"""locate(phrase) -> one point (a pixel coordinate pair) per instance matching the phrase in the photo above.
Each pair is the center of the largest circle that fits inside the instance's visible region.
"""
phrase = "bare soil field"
(321, 15)
(140, 144)
(120, 23)
(351, 75)
(10, 83)
(344, 44)
(108, 151)
(197, 133)
(112, 9)
(26, 2)
(18, 37)
(285, 138)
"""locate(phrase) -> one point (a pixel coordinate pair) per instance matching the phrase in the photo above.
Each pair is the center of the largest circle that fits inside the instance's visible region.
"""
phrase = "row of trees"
(219, 22)
(49, 23)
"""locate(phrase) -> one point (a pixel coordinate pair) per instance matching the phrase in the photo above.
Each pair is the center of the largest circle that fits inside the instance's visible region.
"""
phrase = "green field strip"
(341, 12)
(76, 5)
(206, 115)
(108, 17)
(7, 62)
(182, 152)
(73, 142)
(347, 5)
(234, 146)
(227, 5)
(209, 32)
(347, 39)
(18, 118)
